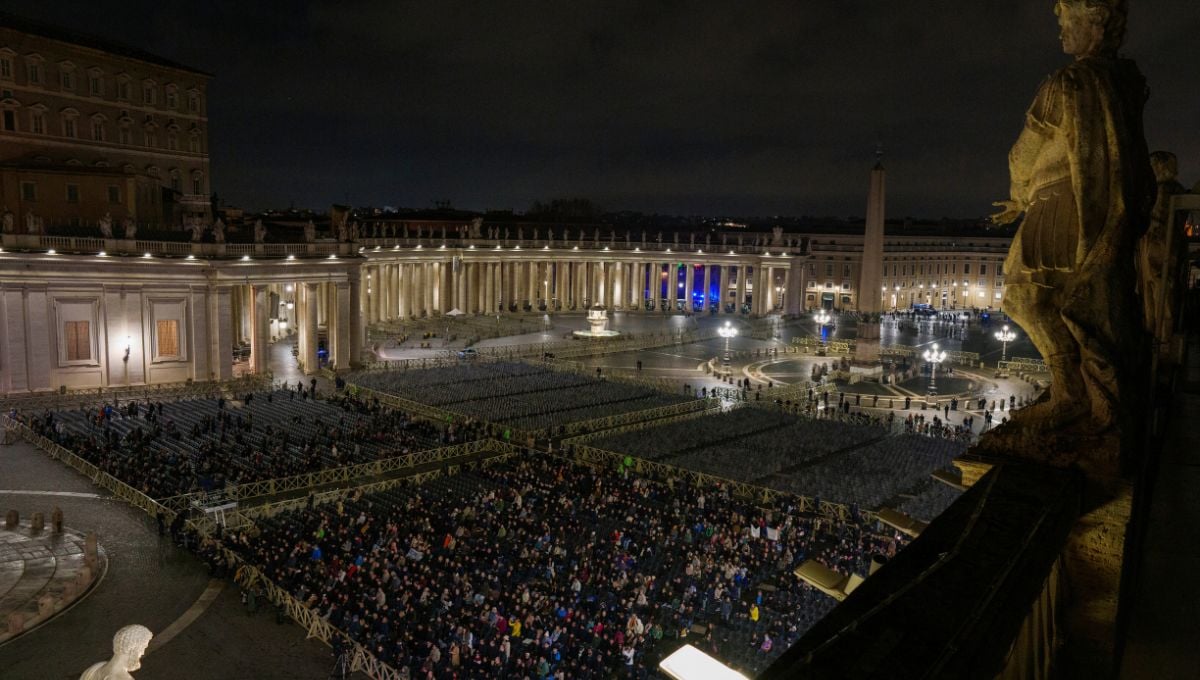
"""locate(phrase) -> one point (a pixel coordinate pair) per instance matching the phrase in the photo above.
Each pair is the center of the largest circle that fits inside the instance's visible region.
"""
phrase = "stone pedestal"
(11, 519)
(866, 347)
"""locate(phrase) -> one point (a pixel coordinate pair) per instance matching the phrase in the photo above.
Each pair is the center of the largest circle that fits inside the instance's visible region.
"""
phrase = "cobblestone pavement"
(149, 581)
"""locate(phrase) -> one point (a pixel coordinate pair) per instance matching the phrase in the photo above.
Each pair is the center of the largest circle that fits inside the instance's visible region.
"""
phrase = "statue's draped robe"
(1082, 244)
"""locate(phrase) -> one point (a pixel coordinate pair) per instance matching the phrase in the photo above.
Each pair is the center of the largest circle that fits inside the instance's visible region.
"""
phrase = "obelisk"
(870, 277)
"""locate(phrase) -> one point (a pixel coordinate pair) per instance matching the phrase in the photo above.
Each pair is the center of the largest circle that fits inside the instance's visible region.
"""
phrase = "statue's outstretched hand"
(1010, 211)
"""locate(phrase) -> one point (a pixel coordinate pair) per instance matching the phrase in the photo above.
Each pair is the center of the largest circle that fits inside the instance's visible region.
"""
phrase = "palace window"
(72, 193)
(77, 335)
(98, 130)
(37, 122)
(95, 83)
(148, 92)
(6, 67)
(33, 72)
(28, 191)
(66, 78)
(123, 87)
(196, 185)
(167, 337)
(10, 120)
(114, 194)
(124, 136)
(69, 127)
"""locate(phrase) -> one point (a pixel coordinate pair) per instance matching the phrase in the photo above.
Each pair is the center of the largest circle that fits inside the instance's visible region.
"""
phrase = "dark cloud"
(688, 107)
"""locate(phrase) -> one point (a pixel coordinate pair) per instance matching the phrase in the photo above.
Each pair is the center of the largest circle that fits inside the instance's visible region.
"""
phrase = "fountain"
(597, 319)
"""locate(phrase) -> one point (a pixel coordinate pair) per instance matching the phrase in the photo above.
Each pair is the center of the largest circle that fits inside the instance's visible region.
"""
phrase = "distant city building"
(89, 127)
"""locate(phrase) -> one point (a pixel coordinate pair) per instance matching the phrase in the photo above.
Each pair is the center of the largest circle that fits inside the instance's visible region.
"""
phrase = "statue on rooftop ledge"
(218, 231)
(130, 228)
(197, 226)
(260, 232)
(106, 226)
(129, 645)
(310, 232)
(1081, 177)
(8, 219)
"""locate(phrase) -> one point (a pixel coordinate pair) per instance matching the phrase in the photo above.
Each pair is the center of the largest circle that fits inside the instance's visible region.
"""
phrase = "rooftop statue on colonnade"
(1081, 177)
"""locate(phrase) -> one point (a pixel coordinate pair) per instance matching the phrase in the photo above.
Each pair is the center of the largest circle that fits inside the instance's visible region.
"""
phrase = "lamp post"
(1005, 336)
(933, 357)
(727, 331)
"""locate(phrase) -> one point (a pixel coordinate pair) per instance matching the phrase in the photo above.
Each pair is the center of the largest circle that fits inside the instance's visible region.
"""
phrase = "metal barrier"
(601, 458)
(100, 395)
(1022, 365)
(348, 474)
(118, 488)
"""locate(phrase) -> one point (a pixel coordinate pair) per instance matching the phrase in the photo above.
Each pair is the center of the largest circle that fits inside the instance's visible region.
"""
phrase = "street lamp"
(822, 318)
(727, 331)
(1005, 336)
(933, 357)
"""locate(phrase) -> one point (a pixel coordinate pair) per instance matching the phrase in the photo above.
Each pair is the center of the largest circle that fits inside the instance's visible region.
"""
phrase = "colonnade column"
(339, 324)
(705, 300)
(741, 288)
(259, 329)
(672, 287)
(309, 330)
(405, 285)
(533, 282)
(459, 274)
(357, 319)
(656, 284)
(489, 289)
(689, 286)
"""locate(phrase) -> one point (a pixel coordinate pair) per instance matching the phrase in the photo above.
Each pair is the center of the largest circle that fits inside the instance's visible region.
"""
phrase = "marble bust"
(129, 644)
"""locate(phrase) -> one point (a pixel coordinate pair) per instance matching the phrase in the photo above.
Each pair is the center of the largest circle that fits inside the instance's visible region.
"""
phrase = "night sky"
(704, 108)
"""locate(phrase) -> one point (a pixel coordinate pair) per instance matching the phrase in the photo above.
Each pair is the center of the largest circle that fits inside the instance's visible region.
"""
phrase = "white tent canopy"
(455, 312)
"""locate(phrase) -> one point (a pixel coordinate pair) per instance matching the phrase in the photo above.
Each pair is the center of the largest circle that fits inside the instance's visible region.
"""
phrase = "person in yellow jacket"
(754, 613)
(515, 625)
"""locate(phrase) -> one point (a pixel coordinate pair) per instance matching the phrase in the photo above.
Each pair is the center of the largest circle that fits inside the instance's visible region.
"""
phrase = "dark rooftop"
(19, 23)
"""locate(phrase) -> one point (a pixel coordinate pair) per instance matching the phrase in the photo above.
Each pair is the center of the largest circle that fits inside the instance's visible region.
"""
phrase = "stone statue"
(776, 236)
(476, 225)
(218, 231)
(129, 645)
(354, 231)
(520, 233)
(643, 236)
(658, 238)
(9, 227)
(581, 235)
(724, 238)
(692, 239)
(1081, 176)
(130, 228)
(707, 238)
(596, 236)
(106, 225)
(260, 232)
(1161, 253)
(374, 230)
(310, 232)
(627, 237)
(443, 232)
(404, 233)
(676, 237)
(197, 227)
(535, 233)
(30, 223)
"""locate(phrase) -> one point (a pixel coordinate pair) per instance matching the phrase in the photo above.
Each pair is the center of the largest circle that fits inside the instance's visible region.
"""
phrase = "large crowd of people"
(541, 568)
(165, 449)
